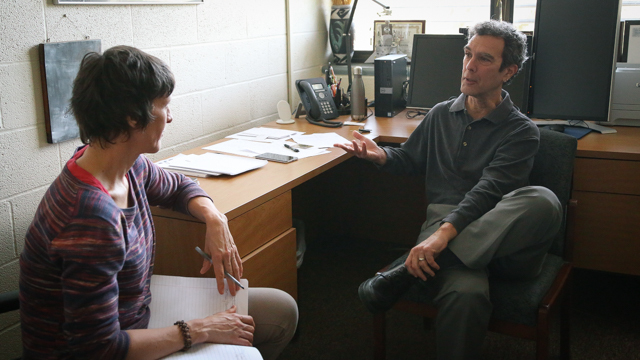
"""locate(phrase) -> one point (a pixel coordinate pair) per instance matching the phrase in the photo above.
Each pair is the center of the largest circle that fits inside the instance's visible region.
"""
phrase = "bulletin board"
(59, 64)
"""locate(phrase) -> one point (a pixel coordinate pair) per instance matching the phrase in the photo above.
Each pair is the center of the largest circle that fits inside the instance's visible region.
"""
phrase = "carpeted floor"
(334, 324)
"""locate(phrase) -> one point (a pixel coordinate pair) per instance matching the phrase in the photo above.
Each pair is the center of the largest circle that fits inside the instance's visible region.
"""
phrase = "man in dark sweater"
(476, 152)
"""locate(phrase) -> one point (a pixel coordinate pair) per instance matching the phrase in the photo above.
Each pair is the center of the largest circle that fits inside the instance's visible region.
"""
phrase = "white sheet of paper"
(184, 298)
(252, 148)
(264, 134)
(217, 351)
(320, 140)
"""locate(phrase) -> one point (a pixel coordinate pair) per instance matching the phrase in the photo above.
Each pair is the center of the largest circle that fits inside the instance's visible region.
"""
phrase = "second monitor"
(436, 69)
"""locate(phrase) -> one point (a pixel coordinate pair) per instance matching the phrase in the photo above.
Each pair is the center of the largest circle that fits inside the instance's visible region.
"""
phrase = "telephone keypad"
(326, 107)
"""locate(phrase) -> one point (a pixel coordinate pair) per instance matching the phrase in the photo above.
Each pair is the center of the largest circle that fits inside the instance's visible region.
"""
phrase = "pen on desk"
(291, 148)
(204, 255)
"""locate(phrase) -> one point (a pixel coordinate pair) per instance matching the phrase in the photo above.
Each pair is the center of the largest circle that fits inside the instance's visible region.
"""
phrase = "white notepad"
(211, 164)
(184, 298)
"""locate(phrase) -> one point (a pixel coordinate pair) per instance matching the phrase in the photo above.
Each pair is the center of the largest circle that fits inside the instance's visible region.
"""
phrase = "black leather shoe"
(383, 290)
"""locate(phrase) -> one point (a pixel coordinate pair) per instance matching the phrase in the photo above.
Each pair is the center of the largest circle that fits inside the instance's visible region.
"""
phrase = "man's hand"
(364, 148)
(428, 251)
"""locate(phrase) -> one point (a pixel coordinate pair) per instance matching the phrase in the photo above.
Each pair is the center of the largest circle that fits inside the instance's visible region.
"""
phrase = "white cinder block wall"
(230, 59)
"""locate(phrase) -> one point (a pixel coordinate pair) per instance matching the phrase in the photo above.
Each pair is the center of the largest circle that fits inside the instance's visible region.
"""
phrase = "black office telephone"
(318, 102)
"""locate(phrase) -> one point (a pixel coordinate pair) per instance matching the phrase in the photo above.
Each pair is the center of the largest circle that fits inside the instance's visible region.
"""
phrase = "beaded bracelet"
(184, 329)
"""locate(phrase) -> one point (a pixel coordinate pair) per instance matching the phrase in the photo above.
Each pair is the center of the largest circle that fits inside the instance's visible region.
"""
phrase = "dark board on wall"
(59, 64)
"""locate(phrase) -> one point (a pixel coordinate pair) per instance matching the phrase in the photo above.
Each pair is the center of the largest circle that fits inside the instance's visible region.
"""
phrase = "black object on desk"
(318, 102)
(577, 132)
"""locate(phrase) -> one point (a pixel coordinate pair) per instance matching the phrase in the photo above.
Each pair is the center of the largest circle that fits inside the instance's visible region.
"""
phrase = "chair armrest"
(557, 288)
(9, 301)
(569, 237)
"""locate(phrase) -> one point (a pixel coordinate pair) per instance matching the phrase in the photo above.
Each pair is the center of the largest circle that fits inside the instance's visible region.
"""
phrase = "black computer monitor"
(574, 48)
(436, 69)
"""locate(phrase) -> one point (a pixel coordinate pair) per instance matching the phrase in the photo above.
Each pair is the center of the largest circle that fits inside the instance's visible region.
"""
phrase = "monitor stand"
(591, 125)
(623, 122)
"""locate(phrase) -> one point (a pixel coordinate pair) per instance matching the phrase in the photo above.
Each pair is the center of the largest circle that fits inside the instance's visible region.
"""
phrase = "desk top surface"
(235, 195)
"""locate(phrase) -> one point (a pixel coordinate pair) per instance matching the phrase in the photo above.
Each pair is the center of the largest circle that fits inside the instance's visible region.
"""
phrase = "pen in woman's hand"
(206, 257)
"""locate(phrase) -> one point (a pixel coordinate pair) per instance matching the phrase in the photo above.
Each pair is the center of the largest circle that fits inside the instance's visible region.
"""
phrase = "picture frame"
(631, 42)
(395, 36)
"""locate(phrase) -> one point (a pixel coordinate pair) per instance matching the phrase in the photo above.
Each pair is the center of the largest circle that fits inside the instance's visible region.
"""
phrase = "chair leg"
(565, 313)
(379, 336)
(542, 341)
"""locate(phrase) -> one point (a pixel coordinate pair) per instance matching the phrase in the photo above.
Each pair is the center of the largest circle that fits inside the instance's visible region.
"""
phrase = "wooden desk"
(260, 204)
(606, 183)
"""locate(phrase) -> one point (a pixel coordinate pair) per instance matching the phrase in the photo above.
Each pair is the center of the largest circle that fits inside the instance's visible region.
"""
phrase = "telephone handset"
(318, 102)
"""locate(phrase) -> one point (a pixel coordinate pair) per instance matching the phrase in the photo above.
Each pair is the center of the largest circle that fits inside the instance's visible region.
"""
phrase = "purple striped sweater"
(86, 264)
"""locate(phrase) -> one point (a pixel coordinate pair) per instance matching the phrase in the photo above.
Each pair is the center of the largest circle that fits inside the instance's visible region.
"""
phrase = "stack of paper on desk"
(210, 164)
(182, 298)
(264, 134)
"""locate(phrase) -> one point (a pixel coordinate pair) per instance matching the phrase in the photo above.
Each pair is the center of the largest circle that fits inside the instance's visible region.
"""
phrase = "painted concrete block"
(187, 120)
(7, 243)
(111, 24)
(266, 18)
(265, 95)
(21, 95)
(199, 68)
(22, 27)
(222, 21)
(28, 161)
(247, 60)
(225, 107)
(161, 26)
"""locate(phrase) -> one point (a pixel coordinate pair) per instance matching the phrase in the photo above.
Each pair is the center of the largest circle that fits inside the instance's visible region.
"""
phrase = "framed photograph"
(631, 45)
(395, 36)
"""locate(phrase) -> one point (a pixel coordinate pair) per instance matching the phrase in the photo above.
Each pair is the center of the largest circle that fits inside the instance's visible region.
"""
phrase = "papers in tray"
(210, 164)
(252, 148)
(185, 298)
(264, 134)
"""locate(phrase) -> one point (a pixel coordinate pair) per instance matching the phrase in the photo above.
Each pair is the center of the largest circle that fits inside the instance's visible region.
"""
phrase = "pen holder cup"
(342, 103)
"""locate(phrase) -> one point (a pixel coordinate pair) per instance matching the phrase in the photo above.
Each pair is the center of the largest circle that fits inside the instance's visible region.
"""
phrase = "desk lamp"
(386, 11)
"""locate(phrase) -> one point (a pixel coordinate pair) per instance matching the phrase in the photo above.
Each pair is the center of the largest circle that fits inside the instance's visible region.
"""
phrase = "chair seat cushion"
(513, 300)
(518, 300)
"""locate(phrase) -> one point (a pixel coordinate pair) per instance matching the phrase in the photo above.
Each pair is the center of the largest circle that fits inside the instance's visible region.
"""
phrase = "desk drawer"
(177, 238)
(608, 176)
(261, 224)
(607, 236)
(274, 264)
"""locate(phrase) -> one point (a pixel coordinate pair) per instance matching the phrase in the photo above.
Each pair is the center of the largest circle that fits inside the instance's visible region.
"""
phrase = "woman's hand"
(223, 251)
(364, 148)
(218, 243)
(227, 327)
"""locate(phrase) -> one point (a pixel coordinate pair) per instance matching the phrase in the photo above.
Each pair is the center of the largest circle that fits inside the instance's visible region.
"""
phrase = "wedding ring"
(420, 259)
